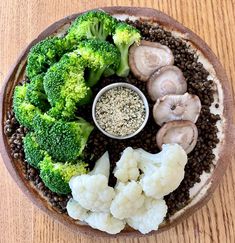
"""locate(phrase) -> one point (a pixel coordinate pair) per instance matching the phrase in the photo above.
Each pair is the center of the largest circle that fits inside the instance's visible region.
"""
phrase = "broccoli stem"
(123, 69)
(94, 76)
(108, 72)
(102, 33)
(96, 31)
(87, 99)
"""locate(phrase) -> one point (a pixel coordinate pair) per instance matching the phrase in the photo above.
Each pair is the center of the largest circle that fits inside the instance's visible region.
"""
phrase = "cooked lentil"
(199, 160)
(120, 111)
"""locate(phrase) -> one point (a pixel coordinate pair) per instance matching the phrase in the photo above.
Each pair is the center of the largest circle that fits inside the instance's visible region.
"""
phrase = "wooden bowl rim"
(224, 156)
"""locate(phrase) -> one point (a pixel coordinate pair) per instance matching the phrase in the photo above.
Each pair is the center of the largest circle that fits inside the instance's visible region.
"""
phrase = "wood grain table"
(20, 22)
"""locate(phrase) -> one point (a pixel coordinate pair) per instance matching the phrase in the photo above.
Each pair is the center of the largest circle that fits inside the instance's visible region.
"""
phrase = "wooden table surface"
(20, 22)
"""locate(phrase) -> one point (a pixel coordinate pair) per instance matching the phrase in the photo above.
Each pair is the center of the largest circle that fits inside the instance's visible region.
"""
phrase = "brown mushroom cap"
(166, 80)
(145, 58)
(177, 107)
(182, 132)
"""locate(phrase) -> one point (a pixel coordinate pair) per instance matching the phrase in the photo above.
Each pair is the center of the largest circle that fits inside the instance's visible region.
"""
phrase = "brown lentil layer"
(199, 160)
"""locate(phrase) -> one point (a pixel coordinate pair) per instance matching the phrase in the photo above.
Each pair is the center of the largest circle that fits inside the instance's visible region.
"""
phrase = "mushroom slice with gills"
(176, 107)
(166, 80)
(182, 132)
(147, 57)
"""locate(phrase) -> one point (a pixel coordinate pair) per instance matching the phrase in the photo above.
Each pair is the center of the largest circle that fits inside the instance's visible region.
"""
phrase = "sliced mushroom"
(145, 58)
(183, 132)
(166, 80)
(177, 107)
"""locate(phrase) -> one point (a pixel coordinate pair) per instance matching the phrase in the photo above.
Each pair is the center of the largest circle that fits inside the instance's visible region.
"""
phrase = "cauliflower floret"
(149, 216)
(102, 221)
(126, 168)
(105, 222)
(163, 172)
(75, 210)
(91, 191)
(102, 166)
(129, 199)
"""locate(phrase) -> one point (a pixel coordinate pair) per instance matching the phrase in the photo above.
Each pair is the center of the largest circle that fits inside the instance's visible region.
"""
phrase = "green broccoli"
(56, 175)
(24, 111)
(65, 85)
(64, 141)
(91, 25)
(124, 36)
(33, 153)
(109, 71)
(43, 55)
(35, 93)
(99, 55)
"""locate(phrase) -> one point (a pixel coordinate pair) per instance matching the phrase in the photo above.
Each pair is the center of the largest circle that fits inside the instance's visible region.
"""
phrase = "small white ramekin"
(126, 85)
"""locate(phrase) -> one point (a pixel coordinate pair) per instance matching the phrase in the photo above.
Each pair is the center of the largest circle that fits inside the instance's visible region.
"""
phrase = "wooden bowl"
(203, 192)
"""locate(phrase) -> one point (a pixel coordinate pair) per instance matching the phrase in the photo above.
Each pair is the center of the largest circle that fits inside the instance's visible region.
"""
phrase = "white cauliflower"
(102, 221)
(91, 191)
(149, 216)
(102, 166)
(128, 200)
(137, 199)
(126, 168)
(164, 171)
(75, 210)
(105, 222)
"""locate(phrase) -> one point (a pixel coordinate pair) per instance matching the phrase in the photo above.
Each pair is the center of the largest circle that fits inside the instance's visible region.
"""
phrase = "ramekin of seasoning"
(120, 110)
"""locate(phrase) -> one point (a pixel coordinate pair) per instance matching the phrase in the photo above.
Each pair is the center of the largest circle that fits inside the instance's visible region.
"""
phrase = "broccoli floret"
(56, 175)
(33, 153)
(35, 93)
(24, 111)
(91, 25)
(65, 85)
(43, 55)
(124, 36)
(99, 55)
(64, 141)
